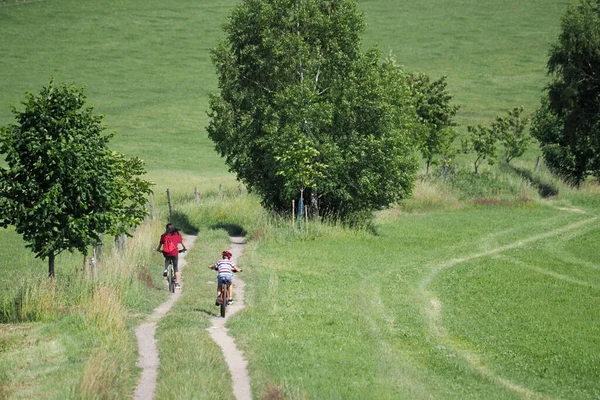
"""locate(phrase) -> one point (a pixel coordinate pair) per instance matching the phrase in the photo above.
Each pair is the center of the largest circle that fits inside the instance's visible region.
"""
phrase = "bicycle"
(224, 296)
(171, 274)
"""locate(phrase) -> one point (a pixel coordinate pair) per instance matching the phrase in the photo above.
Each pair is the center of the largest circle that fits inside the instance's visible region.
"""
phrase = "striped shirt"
(225, 268)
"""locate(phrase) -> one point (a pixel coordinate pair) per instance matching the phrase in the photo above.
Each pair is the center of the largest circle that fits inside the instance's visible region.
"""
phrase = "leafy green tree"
(437, 114)
(299, 165)
(509, 130)
(513, 134)
(301, 106)
(568, 121)
(63, 187)
(482, 140)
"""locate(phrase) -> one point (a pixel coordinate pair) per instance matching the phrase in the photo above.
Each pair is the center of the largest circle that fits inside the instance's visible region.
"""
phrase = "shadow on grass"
(207, 312)
(544, 189)
(182, 222)
(231, 229)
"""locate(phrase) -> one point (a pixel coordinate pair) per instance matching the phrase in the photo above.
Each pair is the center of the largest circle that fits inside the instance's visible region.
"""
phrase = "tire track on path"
(433, 307)
(148, 351)
(500, 249)
(219, 333)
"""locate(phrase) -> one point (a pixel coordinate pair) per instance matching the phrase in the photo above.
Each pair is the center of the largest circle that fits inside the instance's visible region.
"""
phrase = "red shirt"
(176, 239)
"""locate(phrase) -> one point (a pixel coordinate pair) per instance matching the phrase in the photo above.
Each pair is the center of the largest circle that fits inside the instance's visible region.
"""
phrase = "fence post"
(314, 204)
(119, 243)
(197, 194)
(306, 218)
(170, 206)
(97, 251)
(220, 190)
(240, 189)
(537, 163)
(94, 260)
(293, 215)
(300, 212)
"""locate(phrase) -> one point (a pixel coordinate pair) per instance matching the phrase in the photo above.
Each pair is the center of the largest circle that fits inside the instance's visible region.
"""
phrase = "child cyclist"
(226, 267)
(170, 241)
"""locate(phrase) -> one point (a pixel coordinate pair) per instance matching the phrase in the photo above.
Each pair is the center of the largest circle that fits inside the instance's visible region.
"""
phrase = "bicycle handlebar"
(181, 251)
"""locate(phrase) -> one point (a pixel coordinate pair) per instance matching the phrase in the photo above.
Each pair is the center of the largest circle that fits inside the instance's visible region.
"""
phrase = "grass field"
(471, 290)
(460, 304)
(147, 67)
(493, 54)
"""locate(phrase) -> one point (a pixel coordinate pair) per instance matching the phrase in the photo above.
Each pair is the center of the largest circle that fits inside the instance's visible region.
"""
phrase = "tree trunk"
(314, 204)
(301, 209)
(51, 265)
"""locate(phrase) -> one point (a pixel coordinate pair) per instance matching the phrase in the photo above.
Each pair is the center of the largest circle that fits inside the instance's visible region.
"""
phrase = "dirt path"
(235, 358)
(148, 351)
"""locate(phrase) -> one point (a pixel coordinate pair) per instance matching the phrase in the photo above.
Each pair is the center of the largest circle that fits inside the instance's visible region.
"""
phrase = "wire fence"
(299, 213)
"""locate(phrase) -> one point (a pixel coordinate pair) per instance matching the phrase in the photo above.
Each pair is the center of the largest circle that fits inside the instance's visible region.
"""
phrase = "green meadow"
(475, 288)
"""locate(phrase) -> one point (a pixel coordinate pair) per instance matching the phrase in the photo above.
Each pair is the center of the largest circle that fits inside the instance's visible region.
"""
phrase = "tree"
(482, 140)
(434, 109)
(568, 121)
(299, 166)
(301, 106)
(513, 134)
(63, 187)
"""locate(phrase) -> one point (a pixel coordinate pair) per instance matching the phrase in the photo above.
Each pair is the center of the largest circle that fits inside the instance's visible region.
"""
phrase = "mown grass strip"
(345, 316)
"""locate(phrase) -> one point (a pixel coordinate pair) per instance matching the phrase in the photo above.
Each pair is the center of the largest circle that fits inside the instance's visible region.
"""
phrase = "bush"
(490, 185)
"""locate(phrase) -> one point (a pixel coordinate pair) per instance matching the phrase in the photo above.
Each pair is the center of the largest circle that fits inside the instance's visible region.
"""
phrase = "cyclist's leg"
(230, 289)
(219, 282)
(166, 265)
(176, 268)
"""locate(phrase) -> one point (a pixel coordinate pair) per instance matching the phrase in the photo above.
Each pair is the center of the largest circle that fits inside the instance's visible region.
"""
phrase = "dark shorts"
(225, 279)
(175, 262)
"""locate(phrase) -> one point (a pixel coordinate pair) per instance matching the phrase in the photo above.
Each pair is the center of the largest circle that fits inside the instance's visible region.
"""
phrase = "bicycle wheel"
(171, 279)
(224, 287)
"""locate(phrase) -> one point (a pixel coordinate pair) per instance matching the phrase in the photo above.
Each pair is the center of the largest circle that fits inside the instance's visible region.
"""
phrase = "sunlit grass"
(192, 365)
(332, 312)
(529, 320)
(494, 56)
(324, 312)
(87, 310)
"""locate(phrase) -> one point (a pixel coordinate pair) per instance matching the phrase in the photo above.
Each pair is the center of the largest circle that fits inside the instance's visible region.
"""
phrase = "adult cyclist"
(226, 267)
(170, 241)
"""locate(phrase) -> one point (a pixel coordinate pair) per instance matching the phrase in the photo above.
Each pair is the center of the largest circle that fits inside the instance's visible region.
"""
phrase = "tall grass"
(103, 375)
(493, 186)
(107, 373)
(42, 299)
(96, 308)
